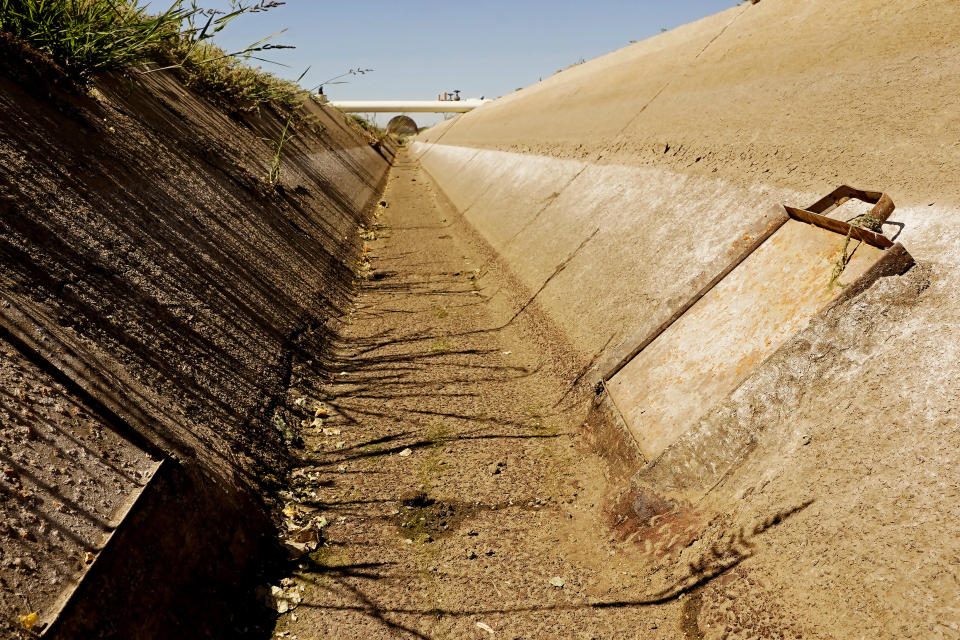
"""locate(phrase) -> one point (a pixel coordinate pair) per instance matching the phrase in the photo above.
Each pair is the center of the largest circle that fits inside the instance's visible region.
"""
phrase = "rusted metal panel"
(617, 360)
(713, 347)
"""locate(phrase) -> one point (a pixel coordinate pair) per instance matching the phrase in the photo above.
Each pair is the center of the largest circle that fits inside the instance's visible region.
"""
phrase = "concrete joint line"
(667, 84)
(556, 272)
(544, 207)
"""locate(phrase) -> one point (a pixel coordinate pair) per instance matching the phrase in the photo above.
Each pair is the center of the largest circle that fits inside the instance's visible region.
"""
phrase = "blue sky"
(420, 48)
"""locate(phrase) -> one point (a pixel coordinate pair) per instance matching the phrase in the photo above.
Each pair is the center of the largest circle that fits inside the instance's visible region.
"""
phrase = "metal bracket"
(815, 214)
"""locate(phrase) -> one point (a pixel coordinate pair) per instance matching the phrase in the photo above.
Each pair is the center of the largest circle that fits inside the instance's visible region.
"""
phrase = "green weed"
(208, 69)
(88, 36)
(274, 176)
(429, 470)
(440, 346)
(439, 435)
(432, 465)
(375, 131)
(85, 36)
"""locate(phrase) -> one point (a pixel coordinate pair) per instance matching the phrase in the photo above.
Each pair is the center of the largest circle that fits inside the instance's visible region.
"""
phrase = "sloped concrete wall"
(635, 242)
(618, 188)
(146, 261)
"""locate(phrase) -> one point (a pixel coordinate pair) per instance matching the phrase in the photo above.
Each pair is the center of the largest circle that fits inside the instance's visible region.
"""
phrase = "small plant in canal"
(274, 176)
(440, 346)
(866, 221)
(275, 171)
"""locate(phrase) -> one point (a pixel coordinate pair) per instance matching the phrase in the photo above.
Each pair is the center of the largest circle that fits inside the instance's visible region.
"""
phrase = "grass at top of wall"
(376, 132)
(89, 36)
(86, 36)
(209, 70)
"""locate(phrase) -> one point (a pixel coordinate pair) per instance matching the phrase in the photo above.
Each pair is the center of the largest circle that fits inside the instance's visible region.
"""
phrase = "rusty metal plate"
(715, 345)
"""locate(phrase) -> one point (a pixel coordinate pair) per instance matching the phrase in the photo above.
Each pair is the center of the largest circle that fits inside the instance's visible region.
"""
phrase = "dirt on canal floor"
(447, 470)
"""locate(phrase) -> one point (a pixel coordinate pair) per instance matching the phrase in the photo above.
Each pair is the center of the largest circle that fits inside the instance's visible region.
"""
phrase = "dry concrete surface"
(455, 472)
(449, 465)
(425, 376)
(153, 286)
(466, 462)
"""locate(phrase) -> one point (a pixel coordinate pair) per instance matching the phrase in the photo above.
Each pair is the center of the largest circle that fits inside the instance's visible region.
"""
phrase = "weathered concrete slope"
(146, 264)
(618, 189)
(675, 148)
